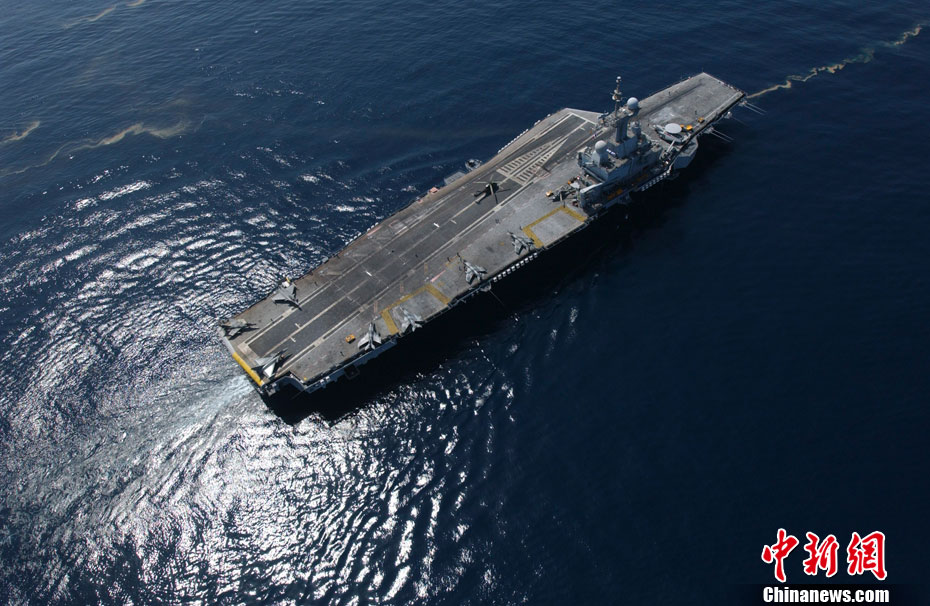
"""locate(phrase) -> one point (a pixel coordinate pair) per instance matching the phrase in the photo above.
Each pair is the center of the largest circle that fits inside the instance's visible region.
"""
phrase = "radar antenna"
(617, 97)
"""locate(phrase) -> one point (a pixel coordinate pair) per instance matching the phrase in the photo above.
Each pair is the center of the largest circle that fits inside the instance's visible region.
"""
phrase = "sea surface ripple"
(750, 355)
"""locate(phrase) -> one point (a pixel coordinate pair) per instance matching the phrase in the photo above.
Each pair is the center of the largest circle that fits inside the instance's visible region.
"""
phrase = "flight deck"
(452, 242)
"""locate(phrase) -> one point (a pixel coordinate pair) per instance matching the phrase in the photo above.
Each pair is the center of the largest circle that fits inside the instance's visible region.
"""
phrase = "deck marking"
(445, 300)
(246, 368)
(322, 272)
(428, 288)
(438, 294)
(528, 230)
(571, 113)
(533, 237)
(523, 168)
(297, 357)
(389, 321)
(418, 218)
(575, 213)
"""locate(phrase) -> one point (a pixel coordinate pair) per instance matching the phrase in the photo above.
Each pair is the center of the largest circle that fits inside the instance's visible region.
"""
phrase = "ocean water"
(753, 354)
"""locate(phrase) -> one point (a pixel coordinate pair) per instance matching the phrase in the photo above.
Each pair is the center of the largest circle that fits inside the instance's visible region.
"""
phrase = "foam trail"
(21, 135)
(136, 129)
(864, 56)
(134, 3)
(91, 19)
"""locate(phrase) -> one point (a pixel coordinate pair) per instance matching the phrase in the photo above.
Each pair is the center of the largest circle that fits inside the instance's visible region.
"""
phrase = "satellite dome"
(632, 104)
(600, 153)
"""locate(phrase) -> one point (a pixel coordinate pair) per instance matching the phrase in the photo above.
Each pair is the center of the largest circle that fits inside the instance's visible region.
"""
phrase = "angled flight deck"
(547, 184)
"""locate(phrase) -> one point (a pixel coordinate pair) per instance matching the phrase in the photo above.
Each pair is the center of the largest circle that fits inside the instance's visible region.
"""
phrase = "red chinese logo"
(778, 552)
(867, 554)
(863, 554)
(822, 555)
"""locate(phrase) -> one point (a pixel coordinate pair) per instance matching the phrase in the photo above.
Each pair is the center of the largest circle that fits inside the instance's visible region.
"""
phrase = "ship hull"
(404, 277)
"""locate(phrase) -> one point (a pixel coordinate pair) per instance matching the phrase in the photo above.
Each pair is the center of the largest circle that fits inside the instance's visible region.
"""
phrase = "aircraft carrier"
(484, 224)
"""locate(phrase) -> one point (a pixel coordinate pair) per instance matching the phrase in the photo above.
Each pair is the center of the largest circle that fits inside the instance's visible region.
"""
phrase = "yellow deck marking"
(528, 230)
(386, 312)
(533, 237)
(437, 293)
(574, 213)
(389, 321)
(248, 370)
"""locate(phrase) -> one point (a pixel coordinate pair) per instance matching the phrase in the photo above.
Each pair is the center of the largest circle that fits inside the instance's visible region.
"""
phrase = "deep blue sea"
(754, 355)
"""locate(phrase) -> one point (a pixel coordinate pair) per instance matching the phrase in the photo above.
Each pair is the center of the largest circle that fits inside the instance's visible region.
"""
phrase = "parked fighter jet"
(233, 328)
(370, 340)
(287, 293)
(268, 364)
(490, 189)
(473, 271)
(409, 321)
(521, 243)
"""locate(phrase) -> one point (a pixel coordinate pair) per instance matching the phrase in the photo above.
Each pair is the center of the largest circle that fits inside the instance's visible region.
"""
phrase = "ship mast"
(621, 115)
(617, 97)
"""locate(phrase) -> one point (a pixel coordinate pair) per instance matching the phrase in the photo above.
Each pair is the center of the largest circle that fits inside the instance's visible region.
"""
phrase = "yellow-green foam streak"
(101, 14)
(136, 129)
(17, 136)
(863, 56)
(92, 18)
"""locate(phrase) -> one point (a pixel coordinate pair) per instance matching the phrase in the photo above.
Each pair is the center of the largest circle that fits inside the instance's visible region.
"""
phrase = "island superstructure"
(549, 183)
